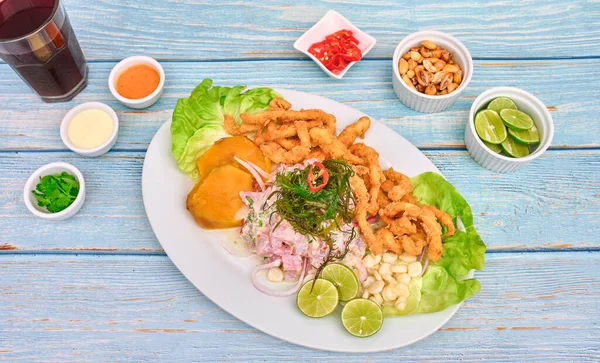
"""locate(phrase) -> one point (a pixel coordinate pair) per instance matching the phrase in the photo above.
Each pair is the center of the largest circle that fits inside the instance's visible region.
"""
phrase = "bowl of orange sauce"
(137, 82)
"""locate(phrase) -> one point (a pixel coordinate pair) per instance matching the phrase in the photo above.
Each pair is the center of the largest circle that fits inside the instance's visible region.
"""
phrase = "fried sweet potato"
(224, 150)
(215, 200)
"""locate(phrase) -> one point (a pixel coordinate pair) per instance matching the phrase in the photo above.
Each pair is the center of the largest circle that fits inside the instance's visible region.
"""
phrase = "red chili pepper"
(337, 50)
(312, 178)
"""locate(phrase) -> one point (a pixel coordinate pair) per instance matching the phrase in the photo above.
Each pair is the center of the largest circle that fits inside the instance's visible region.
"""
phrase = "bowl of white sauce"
(90, 129)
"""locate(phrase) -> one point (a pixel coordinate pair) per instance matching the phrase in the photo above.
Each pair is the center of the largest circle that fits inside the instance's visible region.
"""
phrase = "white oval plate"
(226, 279)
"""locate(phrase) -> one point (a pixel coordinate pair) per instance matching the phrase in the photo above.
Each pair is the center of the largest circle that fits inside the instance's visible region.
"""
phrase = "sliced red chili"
(337, 50)
(313, 178)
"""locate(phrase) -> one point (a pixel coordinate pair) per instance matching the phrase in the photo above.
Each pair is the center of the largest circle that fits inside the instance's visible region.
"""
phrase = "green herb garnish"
(56, 192)
(315, 213)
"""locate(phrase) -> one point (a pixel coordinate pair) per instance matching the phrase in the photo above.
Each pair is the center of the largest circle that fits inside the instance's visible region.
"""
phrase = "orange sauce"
(138, 81)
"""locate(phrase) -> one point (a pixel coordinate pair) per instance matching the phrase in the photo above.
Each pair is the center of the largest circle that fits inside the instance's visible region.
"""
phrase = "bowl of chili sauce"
(335, 44)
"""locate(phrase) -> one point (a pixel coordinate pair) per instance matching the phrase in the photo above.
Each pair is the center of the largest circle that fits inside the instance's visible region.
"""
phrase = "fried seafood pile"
(289, 137)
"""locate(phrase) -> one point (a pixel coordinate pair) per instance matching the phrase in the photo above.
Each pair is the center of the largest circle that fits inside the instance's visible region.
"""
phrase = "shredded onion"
(252, 171)
(271, 292)
(262, 173)
(425, 266)
(362, 272)
(422, 254)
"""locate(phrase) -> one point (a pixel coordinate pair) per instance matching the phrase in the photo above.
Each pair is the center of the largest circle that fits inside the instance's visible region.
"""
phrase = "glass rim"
(38, 29)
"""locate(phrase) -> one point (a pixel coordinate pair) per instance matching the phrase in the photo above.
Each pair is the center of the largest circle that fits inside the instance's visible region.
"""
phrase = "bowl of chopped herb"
(55, 191)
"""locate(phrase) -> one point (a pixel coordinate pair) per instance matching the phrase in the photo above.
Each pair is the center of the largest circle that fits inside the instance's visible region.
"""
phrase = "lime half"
(514, 149)
(318, 300)
(362, 317)
(495, 148)
(489, 127)
(500, 103)
(527, 137)
(516, 120)
(343, 278)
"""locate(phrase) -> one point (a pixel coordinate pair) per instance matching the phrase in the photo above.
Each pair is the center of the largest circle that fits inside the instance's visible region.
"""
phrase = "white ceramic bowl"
(419, 101)
(330, 23)
(525, 102)
(122, 66)
(97, 151)
(34, 179)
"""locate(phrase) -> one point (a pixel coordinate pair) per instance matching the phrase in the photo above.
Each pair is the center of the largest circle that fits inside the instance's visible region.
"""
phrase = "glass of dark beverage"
(37, 41)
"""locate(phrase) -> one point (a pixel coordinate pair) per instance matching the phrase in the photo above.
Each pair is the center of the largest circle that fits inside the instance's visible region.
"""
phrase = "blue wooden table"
(99, 287)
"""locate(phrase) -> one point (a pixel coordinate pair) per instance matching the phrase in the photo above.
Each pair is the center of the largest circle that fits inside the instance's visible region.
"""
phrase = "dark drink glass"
(37, 41)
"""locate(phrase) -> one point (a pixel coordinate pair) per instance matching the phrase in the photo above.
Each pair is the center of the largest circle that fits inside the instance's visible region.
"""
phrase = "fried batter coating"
(394, 208)
(288, 116)
(332, 146)
(376, 177)
(434, 236)
(402, 226)
(288, 143)
(388, 240)
(362, 198)
(387, 185)
(279, 104)
(402, 185)
(352, 131)
(382, 199)
(297, 154)
(411, 246)
(234, 129)
(409, 198)
(274, 131)
(444, 218)
(317, 153)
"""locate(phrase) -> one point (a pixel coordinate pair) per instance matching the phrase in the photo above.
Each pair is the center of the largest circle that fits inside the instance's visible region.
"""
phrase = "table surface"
(99, 286)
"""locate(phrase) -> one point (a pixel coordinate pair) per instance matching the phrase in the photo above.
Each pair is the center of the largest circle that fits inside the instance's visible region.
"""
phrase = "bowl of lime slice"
(508, 127)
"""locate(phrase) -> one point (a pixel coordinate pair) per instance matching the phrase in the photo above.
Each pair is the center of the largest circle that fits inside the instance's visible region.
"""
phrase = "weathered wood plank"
(533, 307)
(186, 29)
(569, 89)
(553, 203)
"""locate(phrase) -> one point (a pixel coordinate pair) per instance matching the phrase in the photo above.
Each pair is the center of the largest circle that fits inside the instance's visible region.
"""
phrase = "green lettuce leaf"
(441, 289)
(198, 120)
(444, 283)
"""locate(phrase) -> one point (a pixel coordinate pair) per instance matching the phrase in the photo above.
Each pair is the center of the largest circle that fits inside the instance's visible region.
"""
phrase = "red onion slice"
(252, 171)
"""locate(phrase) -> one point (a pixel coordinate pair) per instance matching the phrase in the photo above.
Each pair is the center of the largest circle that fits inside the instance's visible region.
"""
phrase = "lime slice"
(500, 103)
(343, 278)
(516, 120)
(317, 300)
(362, 317)
(495, 148)
(489, 127)
(527, 137)
(514, 149)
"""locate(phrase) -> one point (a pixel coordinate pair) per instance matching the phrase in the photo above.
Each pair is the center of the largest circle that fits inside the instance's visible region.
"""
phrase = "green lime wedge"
(344, 278)
(514, 149)
(489, 127)
(527, 137)
(500, 103)
(495, 148)
(362, 317)
(516, 120)
(317, 300)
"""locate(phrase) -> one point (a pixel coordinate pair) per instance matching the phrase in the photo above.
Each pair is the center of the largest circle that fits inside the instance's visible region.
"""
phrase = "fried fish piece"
(411, 246)
(288, 143)
(382, 199)
(298, 153)
(434, 236)
(402, 185)
(352, 131)
(362, 198)
(376, 176)
(443, 218)
(394, 208)
(332, 146)
(290, 116)
(279, 104)
(234, 129)
(388, 240)
(402, 226)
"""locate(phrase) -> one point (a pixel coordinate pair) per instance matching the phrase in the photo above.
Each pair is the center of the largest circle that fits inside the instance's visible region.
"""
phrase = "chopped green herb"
(56, 192)
(250, 201)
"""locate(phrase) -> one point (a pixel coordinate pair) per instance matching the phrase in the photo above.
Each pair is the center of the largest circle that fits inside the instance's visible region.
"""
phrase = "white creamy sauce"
(90, 128)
